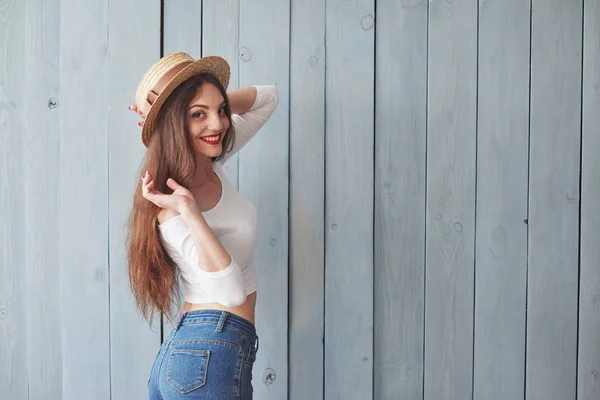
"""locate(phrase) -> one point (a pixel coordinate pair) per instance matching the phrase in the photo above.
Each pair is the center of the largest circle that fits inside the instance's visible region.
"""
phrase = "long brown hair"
(152, 273)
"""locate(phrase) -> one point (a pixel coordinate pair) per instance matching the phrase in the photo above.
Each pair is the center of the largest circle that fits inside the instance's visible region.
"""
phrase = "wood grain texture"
(556, 46)
(589, 299)
(400, 129)
(84, 199)
(220, 37)
(451, 163)
(133, 343)
(42, 172)
(264, 180)
(349, 199)
(307, 199)
(183, 27)
(13, 299)
(502, 154)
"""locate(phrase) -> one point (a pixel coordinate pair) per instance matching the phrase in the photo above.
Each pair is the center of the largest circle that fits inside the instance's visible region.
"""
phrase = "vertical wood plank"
(133, 343)
(554, 199)
(349, 199)
(220, 37)
(263, 179)
(451, 163)
(84, 199)
(13, 306)
(307, 199)
(400, 129)
(183, 27)
(182, 31)
(43, 263)
(502, 154)
(589, 300)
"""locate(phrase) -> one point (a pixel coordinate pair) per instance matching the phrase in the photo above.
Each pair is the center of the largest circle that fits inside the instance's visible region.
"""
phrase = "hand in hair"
(180, 201)
(137, 110)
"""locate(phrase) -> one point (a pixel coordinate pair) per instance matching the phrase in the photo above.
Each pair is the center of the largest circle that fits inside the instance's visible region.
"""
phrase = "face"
(207, 121)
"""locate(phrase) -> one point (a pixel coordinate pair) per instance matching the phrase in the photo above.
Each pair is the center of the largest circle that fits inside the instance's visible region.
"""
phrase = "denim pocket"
(187, 369)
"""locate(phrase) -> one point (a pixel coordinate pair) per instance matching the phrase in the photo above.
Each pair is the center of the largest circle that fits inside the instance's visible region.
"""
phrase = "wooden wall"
(427, 192)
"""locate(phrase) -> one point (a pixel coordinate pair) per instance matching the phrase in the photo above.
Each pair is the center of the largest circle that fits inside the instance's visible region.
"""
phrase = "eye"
(222, 111)
(198, 114)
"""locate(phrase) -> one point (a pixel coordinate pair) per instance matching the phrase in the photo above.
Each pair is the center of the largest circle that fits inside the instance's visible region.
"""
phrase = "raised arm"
(255, 115)
(241, 100)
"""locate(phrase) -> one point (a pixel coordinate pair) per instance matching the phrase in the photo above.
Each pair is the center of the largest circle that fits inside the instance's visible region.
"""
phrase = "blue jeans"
(208, 355)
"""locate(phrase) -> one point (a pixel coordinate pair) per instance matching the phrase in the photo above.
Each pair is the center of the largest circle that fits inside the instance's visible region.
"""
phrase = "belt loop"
(222, 320)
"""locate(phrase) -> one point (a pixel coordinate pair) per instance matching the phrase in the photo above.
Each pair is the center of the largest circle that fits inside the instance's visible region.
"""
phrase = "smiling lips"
(212, 140)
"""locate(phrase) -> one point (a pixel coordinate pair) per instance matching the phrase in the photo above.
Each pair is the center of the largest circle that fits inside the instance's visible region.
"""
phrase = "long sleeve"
(247, 124)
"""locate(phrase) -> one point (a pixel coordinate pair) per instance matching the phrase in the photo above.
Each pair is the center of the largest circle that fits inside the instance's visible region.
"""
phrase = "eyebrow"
(204, 106)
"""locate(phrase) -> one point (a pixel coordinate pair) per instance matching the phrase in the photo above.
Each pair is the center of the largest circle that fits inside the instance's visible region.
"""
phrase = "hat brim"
(214, 65)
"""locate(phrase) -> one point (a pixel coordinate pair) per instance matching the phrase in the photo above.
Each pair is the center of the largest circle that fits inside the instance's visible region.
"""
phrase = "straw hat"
(168, 73)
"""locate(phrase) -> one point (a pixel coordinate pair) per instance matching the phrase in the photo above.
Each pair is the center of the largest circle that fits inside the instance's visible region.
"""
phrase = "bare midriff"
(245, 311)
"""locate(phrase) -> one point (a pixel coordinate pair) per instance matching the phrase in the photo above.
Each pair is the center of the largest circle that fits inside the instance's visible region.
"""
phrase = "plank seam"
(108, 247)
(373, 216)
(325, 219)
(528, 205)
(425, 203)
(289, 196)
(475, 203)
(580, 196)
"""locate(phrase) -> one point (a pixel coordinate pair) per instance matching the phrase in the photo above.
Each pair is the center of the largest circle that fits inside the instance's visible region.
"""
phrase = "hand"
(180, 201)
(137, 110)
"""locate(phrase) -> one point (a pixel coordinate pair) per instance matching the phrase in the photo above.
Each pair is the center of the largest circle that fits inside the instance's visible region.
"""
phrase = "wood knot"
(269, 376)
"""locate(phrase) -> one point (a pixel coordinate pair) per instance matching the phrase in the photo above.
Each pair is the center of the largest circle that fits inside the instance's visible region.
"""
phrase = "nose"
(214, 122)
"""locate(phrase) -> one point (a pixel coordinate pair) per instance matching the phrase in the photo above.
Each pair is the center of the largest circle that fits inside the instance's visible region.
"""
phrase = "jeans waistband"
(222, 320)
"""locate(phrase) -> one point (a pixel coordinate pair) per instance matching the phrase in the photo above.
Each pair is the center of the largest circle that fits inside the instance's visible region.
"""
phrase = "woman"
(189, 223)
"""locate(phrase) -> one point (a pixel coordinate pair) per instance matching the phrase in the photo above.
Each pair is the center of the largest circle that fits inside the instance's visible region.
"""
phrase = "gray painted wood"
(501, 245)
(554, 200)
(220, 37)
(42, 224)
(307, 199)
(13, 334)
(84, 199)
(133, 343)
(451, 149)
(400, 128)
(263, 179)
(589, 299)
(68, 172)
(349, 200)
(183, 27)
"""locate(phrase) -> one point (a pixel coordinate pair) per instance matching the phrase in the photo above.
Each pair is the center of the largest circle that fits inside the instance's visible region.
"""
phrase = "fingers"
(148, 189)
(135, 108)
(140, 113)
(172, 184)
(146, 178)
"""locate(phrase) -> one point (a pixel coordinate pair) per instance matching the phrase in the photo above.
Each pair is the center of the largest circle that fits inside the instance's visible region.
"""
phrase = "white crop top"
(233, 221)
